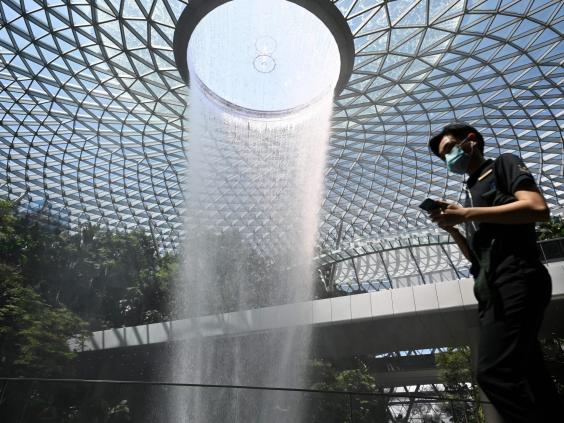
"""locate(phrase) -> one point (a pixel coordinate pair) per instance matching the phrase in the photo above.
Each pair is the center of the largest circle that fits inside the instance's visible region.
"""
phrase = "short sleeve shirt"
(493, 184)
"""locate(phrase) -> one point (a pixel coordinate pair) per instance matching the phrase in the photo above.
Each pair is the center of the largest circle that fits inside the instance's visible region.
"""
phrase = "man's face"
(447, 143)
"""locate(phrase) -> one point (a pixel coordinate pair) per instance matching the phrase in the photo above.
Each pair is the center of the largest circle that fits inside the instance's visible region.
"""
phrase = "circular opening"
(264, 56)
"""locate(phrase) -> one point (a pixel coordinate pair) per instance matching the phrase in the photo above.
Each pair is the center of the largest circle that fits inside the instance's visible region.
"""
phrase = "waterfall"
(259, 123)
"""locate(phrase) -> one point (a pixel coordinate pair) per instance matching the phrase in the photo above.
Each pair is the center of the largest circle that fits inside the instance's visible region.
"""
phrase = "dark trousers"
(511, 368)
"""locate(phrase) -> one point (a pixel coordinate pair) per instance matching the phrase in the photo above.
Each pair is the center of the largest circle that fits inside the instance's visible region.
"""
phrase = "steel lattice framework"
(92, 109)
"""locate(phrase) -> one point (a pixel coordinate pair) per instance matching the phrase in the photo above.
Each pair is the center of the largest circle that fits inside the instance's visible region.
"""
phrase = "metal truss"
(404, 409)
(393, 262)
(92, 111)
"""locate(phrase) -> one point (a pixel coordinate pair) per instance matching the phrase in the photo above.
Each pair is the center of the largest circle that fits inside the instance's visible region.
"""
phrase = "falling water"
(253, 193)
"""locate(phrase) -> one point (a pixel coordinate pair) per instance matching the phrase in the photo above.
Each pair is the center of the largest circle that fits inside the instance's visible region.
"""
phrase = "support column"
(490, 413)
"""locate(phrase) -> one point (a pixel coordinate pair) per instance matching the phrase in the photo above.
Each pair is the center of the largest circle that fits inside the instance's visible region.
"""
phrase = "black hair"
(458, 130)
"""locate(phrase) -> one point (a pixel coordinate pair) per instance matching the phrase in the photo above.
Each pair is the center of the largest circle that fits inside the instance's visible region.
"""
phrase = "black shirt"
(494, 183)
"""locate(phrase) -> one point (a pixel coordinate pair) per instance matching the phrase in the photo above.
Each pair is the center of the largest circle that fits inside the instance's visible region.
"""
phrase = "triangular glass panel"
(508, 51)
(364, 5)
(514, 6)
(479, 25)
(37, 31)
(78, 19)
(132, 41)
(64, 46)
(376, 94)
(111, 34)
(410, 46)
(364, 61)
(344, 6)
(398, 8)
(501, 20)
(544, 14)
(524, 42)
(431, 59)
(472, 19)
(157, 41)
(160, 14)
(480, 5)
(416, 16)
(378, 45)
(10, 13)
(417, 66)
(32, 50)
(541, 53)
(487, 45)
(141, 67)
(438, 7)
(56, 21)
(140, 27)
(433, 37)
(131, 10)
(359, 21)
(506, 31)
(521, 63)
(20, 23)
(449, 24)
(502, 65)
(453, 14)
(546, 36)
(361, 85)
(101, 16)
(377, 22)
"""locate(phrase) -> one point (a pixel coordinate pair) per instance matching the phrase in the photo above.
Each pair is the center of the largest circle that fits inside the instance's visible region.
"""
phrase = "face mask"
(457, 160)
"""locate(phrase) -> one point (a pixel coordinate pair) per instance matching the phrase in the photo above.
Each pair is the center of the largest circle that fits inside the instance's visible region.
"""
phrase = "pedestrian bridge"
(416, 317)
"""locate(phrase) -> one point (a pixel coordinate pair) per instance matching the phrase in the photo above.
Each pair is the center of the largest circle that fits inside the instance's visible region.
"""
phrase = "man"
(512, 286)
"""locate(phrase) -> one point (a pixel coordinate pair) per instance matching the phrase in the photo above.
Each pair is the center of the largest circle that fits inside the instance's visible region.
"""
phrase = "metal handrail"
(419, 395)
(367, 248)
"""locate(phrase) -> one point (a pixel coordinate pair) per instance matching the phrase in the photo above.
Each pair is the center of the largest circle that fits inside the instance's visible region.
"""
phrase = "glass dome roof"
(92, 108)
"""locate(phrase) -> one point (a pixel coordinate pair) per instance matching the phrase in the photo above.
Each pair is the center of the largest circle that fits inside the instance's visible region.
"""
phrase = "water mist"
(258, 136)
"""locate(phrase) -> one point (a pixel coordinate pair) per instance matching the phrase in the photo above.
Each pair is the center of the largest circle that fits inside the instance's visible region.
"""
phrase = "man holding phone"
(512, 286)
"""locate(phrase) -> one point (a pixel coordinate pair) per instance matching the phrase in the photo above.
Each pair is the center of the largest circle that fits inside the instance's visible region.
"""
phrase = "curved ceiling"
(92, 108)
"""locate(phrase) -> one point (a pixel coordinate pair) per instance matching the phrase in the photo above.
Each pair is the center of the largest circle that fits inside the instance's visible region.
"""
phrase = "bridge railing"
(431, 268)
(30, 400)
(552, 249)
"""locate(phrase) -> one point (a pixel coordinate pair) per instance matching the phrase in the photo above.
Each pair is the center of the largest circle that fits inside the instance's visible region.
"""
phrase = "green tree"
(34, 340)
(110, 279)
(48, 277)
(554, 228)
(455, 373)
(33, 334)
(337, 409)
(553, 346)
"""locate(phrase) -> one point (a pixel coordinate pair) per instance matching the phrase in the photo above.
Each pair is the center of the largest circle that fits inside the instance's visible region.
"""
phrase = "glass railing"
(28, 400)
(552, 249)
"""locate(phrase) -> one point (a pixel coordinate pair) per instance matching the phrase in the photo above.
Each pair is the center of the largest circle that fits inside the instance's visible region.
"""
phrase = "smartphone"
(430, 205)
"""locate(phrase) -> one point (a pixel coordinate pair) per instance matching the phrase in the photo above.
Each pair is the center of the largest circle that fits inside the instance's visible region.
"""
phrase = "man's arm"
(460, 241)
(529, 207)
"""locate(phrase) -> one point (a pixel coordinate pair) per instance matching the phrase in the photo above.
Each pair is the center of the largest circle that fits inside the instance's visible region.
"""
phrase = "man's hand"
(449, 216)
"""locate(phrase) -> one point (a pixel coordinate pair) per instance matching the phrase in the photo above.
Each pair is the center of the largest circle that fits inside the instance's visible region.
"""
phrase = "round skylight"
(264, 56)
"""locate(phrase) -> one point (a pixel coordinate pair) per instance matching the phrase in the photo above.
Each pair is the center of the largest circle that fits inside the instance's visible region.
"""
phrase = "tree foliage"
(455, 372)
(33, 334)
(54, 285)
(52, 281)
(340, 408)
(110, 279)
(554, 228)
